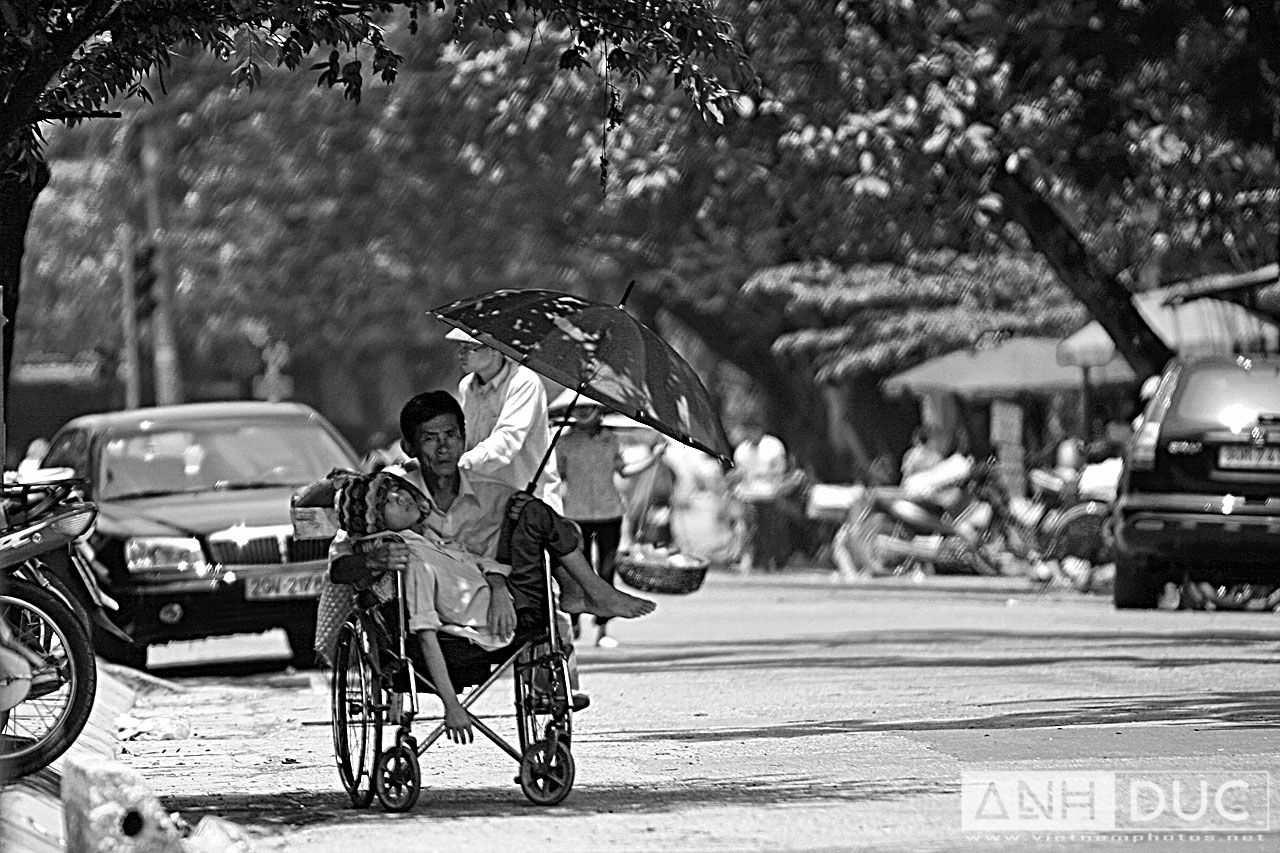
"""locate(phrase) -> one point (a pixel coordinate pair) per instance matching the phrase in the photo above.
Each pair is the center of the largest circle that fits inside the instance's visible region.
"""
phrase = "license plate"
(298, 585)
(1249, 458)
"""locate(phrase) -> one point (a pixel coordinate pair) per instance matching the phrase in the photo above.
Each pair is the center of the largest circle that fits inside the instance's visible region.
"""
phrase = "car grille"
(308, 549)
(265, 550)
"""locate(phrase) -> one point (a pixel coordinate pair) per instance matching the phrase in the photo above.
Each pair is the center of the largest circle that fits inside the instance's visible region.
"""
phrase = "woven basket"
(676, 574)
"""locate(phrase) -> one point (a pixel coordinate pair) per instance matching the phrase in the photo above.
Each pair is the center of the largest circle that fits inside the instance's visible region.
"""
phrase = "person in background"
(760, 464)
(699, 520)
(921, 455)
(589, 457)
(646, 497)
(31, 461)
(507, 428)
(384, 450)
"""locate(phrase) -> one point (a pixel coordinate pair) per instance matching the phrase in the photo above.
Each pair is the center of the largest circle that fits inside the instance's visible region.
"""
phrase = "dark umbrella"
(600, 350)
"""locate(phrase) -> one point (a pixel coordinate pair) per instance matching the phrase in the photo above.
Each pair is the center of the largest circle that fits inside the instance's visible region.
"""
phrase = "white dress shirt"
(508, 432)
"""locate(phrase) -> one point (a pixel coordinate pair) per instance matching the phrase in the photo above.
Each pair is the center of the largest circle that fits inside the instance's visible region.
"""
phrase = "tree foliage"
(886, 129)
(67, 61)
(875, 318)
(335, 226)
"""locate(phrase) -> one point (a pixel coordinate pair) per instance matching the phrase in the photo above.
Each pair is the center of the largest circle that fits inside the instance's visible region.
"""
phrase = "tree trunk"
(1103, 295)
(17, 199)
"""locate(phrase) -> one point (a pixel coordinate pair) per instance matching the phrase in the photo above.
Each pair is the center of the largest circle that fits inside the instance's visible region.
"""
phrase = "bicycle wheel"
(356, 713)
(63, 683)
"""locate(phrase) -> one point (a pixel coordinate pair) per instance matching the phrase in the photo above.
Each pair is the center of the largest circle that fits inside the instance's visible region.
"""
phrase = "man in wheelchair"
(471, 548)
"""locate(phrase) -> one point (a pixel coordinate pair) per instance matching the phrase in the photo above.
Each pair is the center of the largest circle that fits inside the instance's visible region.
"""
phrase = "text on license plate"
(298, 585)
(1249, 458)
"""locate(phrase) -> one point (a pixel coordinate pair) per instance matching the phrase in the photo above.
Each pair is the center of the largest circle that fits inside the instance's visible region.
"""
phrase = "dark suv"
(1200, 494)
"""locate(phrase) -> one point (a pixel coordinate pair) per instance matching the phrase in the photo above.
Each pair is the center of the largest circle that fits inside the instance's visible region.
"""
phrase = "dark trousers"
(606, 535)
(530, 530)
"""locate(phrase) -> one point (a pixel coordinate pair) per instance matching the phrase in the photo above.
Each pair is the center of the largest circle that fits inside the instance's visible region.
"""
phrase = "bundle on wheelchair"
(378, 674)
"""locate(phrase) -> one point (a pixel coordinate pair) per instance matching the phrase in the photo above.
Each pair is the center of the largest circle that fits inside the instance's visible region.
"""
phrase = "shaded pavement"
(777, 712)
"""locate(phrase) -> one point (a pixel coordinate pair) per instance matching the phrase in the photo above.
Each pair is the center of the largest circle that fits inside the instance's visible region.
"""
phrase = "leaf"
(570, 59)
(10, 16)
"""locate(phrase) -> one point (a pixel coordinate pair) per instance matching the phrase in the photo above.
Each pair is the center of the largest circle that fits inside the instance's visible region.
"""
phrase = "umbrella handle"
(630, 285)
(551, 448)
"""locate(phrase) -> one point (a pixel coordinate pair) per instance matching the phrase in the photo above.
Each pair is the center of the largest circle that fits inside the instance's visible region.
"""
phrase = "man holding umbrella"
(596, 349)
(505, 406)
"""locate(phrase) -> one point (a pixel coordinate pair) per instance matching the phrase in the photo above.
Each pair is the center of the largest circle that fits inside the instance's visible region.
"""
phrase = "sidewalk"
(31, 814)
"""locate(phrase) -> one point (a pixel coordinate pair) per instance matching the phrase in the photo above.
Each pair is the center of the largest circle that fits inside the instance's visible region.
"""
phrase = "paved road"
(785, 713)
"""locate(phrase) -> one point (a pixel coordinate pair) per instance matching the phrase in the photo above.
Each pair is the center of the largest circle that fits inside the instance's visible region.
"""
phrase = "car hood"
(196, 514)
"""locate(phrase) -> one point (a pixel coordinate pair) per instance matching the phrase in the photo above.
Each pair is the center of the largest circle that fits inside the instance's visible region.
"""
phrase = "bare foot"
(612, 603)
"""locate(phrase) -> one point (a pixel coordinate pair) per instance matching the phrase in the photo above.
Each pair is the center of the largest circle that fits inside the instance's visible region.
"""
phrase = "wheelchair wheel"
(397, 778)
(546, 772)
(356, 714)
(544, 701)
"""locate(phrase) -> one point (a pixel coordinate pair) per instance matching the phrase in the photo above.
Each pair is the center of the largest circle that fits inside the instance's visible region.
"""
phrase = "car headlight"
(147, 553)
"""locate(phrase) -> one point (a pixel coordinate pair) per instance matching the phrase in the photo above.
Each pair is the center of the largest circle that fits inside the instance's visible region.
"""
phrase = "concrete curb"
(31, 809)
(88, 802)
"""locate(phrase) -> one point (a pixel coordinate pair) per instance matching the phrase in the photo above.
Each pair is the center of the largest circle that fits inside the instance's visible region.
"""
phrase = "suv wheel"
(1138, 585)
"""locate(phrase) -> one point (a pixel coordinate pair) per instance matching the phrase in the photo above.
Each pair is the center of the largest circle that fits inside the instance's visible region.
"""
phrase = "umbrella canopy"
(601, 349)
(1013, 366)
(569, 397)
(1198, 327)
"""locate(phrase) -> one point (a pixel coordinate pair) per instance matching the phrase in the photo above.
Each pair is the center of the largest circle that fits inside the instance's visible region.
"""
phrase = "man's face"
(438, 445)
(479, 359)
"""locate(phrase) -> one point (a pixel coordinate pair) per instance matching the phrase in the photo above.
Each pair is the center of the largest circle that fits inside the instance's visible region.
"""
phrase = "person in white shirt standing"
(760, 465)
(508, 431)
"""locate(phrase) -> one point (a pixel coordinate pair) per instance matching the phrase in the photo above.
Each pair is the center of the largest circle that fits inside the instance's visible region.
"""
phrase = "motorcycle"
(1071, 513)
(956, 521)
(48, 674)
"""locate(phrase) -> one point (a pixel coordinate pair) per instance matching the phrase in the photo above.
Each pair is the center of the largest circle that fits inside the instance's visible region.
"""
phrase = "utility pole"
(168, 382)
(129, 318)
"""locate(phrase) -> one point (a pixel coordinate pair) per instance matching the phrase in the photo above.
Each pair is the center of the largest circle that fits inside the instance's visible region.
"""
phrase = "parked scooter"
(1071, 512)
(953, 519)
(48, 676)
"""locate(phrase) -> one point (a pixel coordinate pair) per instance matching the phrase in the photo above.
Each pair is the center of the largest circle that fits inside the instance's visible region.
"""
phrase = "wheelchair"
(378, 674)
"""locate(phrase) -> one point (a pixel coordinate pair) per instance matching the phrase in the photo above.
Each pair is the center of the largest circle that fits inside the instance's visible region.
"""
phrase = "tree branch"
(1104, 297)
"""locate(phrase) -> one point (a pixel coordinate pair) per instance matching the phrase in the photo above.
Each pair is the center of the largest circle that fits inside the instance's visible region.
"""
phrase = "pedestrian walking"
(590, 462)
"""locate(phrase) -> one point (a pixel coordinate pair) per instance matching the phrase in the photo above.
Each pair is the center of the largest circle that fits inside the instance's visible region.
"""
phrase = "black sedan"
(194, 536)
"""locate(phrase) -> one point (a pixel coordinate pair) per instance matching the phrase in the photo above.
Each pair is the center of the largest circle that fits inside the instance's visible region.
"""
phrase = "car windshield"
(1229, 396)
(217, 455)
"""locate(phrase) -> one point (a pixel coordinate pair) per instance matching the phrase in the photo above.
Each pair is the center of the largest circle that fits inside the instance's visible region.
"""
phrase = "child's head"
(373, 503)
